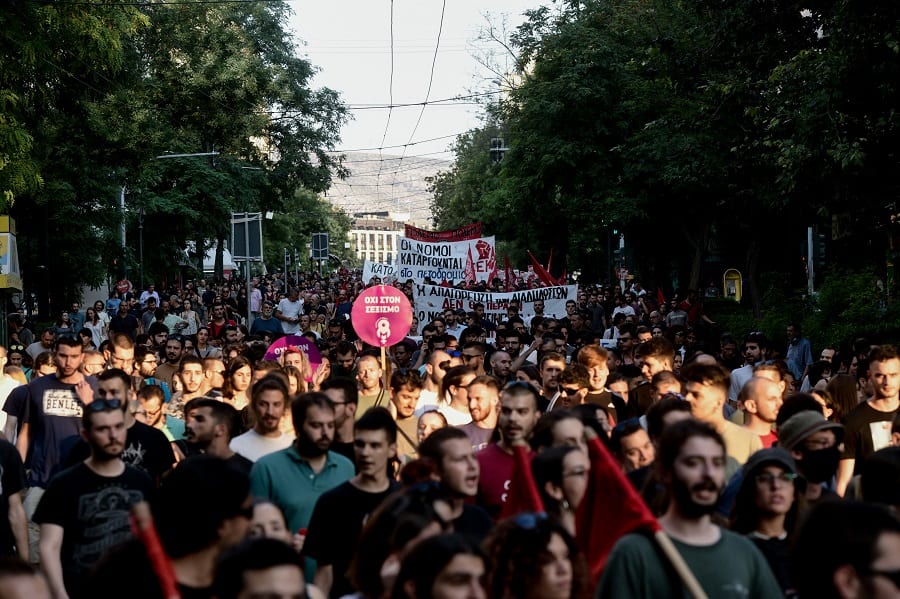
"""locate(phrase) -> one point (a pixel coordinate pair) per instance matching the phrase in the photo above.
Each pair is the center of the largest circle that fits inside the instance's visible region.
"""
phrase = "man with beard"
(268, 403)
(518, 415)
(192, 377)
(146, 448)
(340, 513)
(173, 348)
(84, 511)
(435, 369)
(51, 412)
(343, 394)
(209, 426)
(371, 390)
(484, 406)
(405, 390)
(761, 399)
(691, 463)
(294, 478)
(501, 366)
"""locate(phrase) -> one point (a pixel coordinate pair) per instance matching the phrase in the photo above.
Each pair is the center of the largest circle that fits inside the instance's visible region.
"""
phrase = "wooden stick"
(684, 572)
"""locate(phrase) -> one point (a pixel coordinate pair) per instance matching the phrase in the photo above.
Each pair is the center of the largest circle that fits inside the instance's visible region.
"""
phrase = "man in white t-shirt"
(288, 312)
(268, 402)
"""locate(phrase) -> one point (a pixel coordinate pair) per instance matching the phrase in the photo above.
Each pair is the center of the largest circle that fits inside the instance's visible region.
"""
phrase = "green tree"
(304, 215)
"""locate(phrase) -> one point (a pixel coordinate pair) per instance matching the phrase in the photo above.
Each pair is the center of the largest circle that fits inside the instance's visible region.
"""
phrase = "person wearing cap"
(813, 442)
(765, 508)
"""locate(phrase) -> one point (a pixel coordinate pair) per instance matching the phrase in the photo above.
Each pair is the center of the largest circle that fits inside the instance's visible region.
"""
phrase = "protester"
(534, 557)
(442, 567)
(691, 463)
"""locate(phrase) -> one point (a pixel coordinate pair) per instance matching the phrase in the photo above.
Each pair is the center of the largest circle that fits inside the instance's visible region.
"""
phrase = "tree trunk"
(700, 246)
(220, 246)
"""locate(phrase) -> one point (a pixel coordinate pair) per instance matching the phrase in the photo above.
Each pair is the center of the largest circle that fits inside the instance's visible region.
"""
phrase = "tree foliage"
(94, 95)
(711, 133)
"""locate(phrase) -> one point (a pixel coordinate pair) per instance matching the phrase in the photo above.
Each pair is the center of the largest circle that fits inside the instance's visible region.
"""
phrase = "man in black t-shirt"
(146, 448)
(868, 425)
(85, 509)
(340, 513)
(209, 426)
(451, 451)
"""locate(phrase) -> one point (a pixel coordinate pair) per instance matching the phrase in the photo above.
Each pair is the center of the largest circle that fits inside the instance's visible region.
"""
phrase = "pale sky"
(350, 42)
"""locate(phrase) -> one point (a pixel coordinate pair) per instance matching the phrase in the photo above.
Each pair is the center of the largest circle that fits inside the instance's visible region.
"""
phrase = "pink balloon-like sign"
(381, 315)
(281, 344)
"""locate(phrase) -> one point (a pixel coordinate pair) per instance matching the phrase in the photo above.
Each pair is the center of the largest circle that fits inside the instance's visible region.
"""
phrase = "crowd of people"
(615, 450)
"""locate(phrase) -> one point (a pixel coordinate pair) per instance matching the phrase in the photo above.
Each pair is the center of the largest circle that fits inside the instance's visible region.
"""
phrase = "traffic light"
(819, 252)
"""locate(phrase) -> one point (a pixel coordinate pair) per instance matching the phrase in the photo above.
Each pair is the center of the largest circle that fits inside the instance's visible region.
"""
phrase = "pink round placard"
(381, 315)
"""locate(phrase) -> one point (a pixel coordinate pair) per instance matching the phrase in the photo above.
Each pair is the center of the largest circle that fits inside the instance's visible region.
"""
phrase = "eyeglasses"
(768, 479)
(529, 520)
(470, 356)
(571, 391)
(621, 339)
(103, 405)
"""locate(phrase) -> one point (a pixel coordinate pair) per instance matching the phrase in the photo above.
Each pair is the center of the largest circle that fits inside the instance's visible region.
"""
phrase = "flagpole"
(681, 568)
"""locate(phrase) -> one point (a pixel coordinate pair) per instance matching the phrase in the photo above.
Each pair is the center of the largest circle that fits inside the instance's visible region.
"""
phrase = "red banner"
(465, 233)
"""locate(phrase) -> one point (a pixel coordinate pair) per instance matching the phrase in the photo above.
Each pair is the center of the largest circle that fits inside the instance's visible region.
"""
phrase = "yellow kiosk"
(732, 282)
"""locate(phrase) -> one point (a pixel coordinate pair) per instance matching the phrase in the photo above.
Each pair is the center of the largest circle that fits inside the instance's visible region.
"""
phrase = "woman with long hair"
(561, 476)
(64, 325)
(532, 556)
(202, 348)
(238, 375)
(190, 317)
(95, 325)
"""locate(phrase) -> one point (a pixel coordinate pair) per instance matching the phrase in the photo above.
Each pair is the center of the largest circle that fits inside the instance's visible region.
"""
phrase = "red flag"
(469, 272)
(660, 296)
(611, 508)
(562, 278)
(541, 272)
(523, 494)
(508, 270)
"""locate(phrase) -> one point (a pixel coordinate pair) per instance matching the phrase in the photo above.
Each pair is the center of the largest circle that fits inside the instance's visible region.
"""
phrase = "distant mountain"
(387, 183)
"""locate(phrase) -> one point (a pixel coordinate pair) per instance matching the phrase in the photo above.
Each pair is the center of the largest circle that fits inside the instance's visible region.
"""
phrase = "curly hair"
(517, 550)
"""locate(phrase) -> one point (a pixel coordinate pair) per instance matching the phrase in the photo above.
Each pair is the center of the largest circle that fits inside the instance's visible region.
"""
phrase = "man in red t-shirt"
(518, 415)
(760, 398)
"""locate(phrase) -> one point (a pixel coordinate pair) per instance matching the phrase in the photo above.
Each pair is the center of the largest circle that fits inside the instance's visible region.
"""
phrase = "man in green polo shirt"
(295, 477)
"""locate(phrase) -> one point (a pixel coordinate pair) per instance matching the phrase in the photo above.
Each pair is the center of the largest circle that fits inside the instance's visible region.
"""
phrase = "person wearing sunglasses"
(84, 511)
